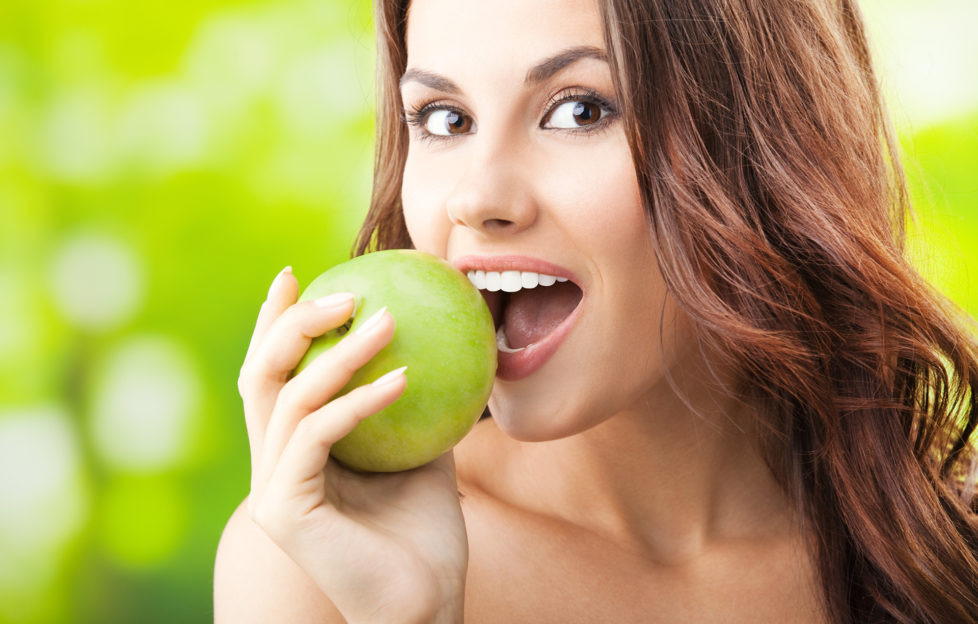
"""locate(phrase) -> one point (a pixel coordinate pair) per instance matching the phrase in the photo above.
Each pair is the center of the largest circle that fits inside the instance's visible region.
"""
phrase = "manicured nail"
(335, 300)
(389, 377)
(371, 322)
(278, 278)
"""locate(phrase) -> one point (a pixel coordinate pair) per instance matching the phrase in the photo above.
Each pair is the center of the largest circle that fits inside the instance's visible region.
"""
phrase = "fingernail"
(278, 278)
(371, 322)
(335, 300)
(389, 377)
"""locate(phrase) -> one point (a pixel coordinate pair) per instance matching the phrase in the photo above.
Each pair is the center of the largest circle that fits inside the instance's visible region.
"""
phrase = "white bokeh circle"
(145, 398)
(96, 280)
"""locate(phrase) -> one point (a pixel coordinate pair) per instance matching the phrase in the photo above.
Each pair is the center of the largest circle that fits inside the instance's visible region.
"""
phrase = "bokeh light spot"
(178, 136)
(324, 90)
(75, 147)
(232, 59)
(924, 50)
(145, 398)
(142, 521)
(43, 498)
(96, 280)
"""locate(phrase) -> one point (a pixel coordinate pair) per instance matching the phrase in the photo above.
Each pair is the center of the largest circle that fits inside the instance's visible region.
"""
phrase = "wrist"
(438, 607)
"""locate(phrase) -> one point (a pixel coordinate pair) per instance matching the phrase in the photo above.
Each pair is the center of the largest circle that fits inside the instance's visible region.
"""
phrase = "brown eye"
(447, 122)
(586, 113)
(575, 114)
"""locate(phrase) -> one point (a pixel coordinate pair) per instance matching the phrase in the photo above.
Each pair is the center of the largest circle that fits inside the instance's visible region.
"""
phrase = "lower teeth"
(502, 344)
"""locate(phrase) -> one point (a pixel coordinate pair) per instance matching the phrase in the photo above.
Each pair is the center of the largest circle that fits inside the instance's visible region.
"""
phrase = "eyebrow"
(538, 73)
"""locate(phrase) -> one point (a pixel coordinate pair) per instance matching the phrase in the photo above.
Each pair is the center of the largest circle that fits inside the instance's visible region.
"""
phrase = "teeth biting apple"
(526, 305)
(511, 281)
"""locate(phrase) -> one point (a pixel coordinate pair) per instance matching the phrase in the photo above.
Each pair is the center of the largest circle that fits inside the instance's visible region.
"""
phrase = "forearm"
(254, 581)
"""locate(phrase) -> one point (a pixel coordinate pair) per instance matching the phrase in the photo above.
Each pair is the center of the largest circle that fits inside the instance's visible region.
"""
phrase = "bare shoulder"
(510, 576)
(527, 565)
(254, 581)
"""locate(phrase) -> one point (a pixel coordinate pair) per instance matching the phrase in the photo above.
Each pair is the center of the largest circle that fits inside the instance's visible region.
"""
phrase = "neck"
(670, 480)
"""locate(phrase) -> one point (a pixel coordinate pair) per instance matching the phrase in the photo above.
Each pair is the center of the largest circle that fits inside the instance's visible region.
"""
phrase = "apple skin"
(444, 335)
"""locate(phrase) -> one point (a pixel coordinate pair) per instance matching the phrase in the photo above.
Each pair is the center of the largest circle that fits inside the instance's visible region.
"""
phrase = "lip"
(512, 263)
(515, 366)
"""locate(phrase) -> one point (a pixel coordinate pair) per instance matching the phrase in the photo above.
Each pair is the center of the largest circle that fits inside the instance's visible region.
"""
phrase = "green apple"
(444, 335)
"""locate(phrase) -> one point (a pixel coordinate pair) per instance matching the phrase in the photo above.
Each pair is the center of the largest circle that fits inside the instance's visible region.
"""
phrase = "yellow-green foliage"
(159, 163)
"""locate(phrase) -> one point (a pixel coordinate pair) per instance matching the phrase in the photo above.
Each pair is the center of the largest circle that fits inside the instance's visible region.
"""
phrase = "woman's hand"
(382, 547)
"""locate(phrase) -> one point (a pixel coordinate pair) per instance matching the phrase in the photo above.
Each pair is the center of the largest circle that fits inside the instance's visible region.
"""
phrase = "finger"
(278, 353)
(283, 292)
(322, 379)
(297, 477)
(289, 336)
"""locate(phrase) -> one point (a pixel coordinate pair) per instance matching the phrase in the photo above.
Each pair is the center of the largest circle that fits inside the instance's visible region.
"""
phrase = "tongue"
(532, 314)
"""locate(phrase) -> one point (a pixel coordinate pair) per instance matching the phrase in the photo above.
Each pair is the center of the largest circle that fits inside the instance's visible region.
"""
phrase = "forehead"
(453, 36)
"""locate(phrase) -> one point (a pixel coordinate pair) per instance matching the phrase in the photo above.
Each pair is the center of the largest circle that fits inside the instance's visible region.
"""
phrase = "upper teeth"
(511, 281)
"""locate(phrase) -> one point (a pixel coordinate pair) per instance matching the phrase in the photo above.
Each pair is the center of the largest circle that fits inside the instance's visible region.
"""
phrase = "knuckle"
(306, 428)
(345, 364)
(256, 378)
(293, 397)
(288, 397)
(249, 380)
(294, 315)
(245, 377)
(338, 363)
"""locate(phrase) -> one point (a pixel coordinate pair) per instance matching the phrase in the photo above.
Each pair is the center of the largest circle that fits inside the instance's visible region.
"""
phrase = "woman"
(743, 405)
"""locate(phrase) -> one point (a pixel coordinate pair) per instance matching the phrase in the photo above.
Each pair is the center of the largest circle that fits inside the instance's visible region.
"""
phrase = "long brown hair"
(774, 187)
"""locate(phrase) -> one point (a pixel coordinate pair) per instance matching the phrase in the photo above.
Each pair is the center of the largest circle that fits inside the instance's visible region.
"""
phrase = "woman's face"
(519, 168)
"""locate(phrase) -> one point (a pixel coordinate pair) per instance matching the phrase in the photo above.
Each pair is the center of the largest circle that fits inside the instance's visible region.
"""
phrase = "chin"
(534, 422)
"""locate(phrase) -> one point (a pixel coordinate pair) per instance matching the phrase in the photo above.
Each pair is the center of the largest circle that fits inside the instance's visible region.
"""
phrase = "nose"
(494, 194)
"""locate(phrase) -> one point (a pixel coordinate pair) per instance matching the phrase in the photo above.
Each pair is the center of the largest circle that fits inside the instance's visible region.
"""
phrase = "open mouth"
(526, 306)
(534, 304)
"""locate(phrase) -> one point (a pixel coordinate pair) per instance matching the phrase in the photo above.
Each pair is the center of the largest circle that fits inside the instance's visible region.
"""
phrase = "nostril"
(496, 224)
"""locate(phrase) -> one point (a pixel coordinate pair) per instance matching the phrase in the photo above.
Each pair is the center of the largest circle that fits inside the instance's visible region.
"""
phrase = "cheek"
(594, 180)
(607, 214)
(422, 202)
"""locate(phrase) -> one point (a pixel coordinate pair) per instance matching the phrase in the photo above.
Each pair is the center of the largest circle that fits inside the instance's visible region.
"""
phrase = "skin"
(615, 483)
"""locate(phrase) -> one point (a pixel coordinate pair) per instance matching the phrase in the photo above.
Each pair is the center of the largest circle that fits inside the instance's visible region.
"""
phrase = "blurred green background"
(160, 162)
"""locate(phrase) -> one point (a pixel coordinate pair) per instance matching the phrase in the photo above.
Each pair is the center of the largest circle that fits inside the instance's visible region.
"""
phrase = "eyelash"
(585, 95)
(416, 117)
